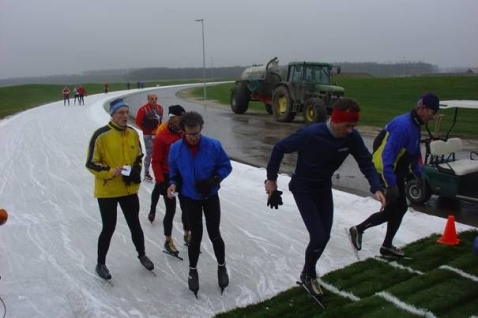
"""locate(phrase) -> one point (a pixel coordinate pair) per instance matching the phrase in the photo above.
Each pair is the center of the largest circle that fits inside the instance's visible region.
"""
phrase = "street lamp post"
(212, 71)
(203, 59)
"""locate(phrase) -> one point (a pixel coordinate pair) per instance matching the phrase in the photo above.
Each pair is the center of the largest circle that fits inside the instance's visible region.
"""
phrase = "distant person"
(201, 164)
(159, 162)
(76, 95)
(81, 94)
(396, 153)
(148, 118)
(139, 84)
(127, 85)
(66, 95)
(106, 87)
(114, 158)
(321, 149)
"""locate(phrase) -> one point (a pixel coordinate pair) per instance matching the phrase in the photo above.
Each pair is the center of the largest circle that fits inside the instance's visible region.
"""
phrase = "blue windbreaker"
(399, 151)
(210, 160)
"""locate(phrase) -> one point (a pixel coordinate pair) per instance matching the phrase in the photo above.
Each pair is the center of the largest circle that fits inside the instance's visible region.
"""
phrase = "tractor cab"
(448, 170)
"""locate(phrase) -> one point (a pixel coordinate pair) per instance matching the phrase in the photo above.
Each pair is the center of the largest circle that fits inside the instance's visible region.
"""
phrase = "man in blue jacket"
(396, 152)
(321, 148)
(200, 163)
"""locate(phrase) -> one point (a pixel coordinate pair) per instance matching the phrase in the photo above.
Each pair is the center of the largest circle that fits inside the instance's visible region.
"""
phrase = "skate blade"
(173, 255)
(316, 299)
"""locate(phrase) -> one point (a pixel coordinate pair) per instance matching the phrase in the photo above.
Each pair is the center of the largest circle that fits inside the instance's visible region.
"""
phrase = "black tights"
(392, 214)
(170, 205)
(108, 209)
(212, 214)
(317, 211)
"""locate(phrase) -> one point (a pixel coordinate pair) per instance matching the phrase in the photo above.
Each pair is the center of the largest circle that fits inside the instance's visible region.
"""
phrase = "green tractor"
(303, 88)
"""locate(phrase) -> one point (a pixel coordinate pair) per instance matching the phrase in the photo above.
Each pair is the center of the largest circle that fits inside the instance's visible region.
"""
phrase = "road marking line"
(396, 265)
(460, 272)
(407, 307)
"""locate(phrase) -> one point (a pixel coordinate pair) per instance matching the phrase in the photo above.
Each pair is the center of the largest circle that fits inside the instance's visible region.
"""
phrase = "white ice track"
(48, 246)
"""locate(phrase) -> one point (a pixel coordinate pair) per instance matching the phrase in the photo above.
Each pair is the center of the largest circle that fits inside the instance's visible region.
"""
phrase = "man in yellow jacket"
(114, 157)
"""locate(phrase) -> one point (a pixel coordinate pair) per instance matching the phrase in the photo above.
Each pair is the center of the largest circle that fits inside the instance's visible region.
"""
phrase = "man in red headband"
(321, 149)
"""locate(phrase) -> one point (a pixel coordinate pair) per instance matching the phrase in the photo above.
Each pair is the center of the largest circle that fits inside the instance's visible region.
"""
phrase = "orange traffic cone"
(449, 234)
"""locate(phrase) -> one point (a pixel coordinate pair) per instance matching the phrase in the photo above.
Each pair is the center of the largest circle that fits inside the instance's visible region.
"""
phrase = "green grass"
(381, 99)
(441, 291)
(14, 99)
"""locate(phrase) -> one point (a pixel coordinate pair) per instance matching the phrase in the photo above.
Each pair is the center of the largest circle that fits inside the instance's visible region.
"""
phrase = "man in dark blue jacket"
(200, 163)
(396, 153)
(321, 148)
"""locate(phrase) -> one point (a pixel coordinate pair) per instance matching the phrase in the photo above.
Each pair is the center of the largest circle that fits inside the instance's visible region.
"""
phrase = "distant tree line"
(389, 69)
(216, 73)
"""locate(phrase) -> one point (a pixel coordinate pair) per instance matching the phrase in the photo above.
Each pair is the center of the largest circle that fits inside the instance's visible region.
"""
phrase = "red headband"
(344, 116)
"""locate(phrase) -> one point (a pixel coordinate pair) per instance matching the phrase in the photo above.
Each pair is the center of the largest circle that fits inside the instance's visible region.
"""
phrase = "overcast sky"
(65, 37)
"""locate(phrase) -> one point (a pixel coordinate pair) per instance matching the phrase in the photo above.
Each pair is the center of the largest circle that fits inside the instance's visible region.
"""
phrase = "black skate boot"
(391, 251)
(356, 237)
(312, 285)
(146, 262)
(103, 271)
(187, 239)
(152, 215)
(222, 277)
(193, 281)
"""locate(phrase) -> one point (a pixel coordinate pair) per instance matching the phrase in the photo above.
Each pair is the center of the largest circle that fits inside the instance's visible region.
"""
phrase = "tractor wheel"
(240, 99)
(282, 105)
(417, 195)
(269, 109)
(314, 111)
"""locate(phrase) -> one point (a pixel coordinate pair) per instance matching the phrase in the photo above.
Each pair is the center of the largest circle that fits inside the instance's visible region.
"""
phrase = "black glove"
(179, 182)
(134, 176)
(275, 199)
(391, 194)
(204, 187)
(136, 173)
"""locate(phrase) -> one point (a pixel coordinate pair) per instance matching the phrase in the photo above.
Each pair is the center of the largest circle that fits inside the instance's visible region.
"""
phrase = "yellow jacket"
(112, 146)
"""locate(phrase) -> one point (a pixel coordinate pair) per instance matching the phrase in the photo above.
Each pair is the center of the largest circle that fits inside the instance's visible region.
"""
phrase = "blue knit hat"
(116, 104)
(429, 100)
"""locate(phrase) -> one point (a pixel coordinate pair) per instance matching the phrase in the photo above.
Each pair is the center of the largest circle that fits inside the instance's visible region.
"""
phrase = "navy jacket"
(320, 154)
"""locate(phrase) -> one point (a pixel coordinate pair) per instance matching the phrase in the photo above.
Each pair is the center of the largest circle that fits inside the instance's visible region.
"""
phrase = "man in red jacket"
(82, 94)
(148, 118)
(162, 143)
(66, 95)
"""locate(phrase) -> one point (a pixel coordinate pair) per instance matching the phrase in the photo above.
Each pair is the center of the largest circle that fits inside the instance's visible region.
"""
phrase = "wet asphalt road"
(249, 138)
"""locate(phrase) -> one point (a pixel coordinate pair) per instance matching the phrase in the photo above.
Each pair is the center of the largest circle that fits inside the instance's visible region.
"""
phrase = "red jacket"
(81, 91)
(66, 92)
(148, 118)
(159, 159)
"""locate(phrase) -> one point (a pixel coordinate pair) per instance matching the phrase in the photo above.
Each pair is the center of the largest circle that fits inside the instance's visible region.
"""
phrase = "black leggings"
(317, 211)
(108, 209)
(212, 214)
(392, 214)
(170, 205)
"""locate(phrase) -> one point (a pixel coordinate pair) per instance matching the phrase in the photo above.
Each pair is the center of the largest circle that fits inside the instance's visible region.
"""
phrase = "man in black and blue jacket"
(396, 154)
(321, 148)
